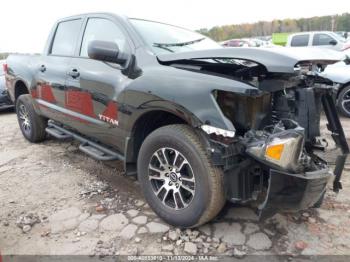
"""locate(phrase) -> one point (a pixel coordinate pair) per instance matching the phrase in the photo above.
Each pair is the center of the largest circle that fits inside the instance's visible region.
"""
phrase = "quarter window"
(322, 39)
(66, 38)
(103, 30)
(300, 40)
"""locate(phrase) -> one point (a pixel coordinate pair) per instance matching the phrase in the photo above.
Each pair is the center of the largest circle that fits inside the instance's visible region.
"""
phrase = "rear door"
(51, 75)
(93, 87)
(301, 40)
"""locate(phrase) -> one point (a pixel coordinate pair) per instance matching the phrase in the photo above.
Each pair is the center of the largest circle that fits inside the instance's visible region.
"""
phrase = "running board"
(87, 146)
(57, 133)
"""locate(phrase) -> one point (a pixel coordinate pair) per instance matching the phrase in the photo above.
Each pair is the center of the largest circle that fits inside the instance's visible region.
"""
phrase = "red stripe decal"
(80, 102)
(34, 93)
(46, 94)
(111, 110)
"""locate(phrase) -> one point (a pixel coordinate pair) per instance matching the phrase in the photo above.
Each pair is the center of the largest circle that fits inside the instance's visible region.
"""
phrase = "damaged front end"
(296, 179)
(272, 161)
(268, 137)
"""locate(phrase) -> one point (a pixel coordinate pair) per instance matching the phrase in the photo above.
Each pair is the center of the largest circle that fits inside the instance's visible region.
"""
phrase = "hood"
(275, 60)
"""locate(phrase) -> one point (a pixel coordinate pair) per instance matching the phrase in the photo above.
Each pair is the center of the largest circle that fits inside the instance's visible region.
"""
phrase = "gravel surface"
(56, 200)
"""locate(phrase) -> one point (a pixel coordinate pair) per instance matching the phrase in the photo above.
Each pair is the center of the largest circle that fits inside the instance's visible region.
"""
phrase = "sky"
(25, 24)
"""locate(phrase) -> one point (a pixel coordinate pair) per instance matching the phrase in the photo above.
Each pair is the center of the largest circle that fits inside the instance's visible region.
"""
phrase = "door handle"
(74, 73)
(42, 68)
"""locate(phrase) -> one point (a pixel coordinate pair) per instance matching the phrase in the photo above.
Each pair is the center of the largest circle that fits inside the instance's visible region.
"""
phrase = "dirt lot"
(55, 200)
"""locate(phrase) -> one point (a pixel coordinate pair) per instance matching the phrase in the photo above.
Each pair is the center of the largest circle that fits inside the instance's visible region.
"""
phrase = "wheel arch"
(342, 87)
(145, 124)
(20, 88)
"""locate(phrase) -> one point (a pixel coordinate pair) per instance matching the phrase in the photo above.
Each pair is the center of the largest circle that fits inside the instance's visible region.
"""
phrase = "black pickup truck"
(197, 123)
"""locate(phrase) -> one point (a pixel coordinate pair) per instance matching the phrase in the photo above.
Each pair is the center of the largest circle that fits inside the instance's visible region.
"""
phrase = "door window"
(322, 39)
(103, 30)
(300, 40)
(66, 38)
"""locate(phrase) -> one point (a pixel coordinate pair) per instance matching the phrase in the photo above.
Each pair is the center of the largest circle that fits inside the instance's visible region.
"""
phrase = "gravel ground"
(56, 201)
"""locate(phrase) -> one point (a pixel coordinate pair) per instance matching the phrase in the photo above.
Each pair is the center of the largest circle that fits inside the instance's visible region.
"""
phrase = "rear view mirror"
(333, 42)
(105, 51)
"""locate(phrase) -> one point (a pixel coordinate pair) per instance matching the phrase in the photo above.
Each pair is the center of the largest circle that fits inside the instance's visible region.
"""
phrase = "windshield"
(163, 38)
(338, 37)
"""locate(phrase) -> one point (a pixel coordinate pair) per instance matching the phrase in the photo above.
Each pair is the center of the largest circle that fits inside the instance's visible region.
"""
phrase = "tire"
(31, 124)
(344, 108)
(193, 164)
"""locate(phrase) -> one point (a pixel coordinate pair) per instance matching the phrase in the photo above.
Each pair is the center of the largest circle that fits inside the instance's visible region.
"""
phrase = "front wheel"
(178, 178)
(31, 124)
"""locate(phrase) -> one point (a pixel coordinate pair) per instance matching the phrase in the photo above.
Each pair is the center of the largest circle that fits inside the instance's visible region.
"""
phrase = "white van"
(324, 39)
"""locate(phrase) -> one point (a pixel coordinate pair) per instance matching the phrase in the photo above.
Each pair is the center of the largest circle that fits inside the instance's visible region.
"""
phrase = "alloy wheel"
(172, 178)
(24, 119)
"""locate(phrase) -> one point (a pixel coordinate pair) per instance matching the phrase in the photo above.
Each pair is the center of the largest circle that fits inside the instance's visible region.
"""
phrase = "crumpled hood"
(276, 59)
(338, 73)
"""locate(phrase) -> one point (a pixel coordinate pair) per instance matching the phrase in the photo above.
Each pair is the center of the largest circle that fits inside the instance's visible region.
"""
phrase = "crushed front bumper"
(293, 192)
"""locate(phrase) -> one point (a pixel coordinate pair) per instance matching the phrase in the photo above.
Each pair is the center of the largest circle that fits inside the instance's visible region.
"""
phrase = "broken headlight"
(281, 148)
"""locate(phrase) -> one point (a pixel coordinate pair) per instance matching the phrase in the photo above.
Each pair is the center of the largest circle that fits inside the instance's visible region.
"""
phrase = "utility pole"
(333, 24)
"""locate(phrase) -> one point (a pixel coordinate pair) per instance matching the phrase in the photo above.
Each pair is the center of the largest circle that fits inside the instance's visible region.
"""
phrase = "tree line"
(3, 56)
(265, 28)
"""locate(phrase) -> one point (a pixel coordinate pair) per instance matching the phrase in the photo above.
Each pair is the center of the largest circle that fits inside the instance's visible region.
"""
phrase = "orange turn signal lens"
(274, 151)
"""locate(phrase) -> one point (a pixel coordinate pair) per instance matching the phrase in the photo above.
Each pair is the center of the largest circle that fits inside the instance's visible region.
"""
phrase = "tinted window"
(66, 38)
(321, 39)
(300, 40)
(103, 30)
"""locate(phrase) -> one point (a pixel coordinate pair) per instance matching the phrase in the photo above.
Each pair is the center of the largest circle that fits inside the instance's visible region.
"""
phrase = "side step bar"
(87, 146)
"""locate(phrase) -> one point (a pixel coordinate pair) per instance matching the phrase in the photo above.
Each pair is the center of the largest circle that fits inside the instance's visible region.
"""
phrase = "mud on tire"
(173, 161)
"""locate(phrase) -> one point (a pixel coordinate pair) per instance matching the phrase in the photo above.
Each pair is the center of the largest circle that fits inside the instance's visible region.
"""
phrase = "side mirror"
(105, 51)
(333, 42)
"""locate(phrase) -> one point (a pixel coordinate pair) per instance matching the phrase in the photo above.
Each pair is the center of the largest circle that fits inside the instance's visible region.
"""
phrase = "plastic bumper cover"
(293, 192)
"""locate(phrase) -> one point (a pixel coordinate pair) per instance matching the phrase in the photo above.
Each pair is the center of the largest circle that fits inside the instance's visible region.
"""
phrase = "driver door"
(93, 86)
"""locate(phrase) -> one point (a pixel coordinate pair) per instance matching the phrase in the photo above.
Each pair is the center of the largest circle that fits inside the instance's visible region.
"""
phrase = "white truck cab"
(323, 39)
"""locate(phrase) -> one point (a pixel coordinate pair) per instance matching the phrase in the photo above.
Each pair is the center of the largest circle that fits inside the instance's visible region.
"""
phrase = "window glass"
(103, 30)
(322, 39)
(163, 38)
(66, 38)
(300, 40)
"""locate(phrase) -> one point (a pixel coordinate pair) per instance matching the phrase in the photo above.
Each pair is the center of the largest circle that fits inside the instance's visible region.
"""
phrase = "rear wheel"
(31, 124)
(178, 178)
(343, 101)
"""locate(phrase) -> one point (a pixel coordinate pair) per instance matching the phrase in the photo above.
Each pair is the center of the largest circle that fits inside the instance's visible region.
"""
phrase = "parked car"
(199, 124)
(5, 101)
(238, 43)
(321, 39)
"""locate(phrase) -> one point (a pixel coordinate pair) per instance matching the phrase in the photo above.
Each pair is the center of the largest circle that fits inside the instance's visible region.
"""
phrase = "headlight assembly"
(282, 149)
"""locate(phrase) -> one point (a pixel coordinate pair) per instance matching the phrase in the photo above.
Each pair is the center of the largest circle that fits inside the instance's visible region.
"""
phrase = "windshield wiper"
(178, 44)
(165, 48)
